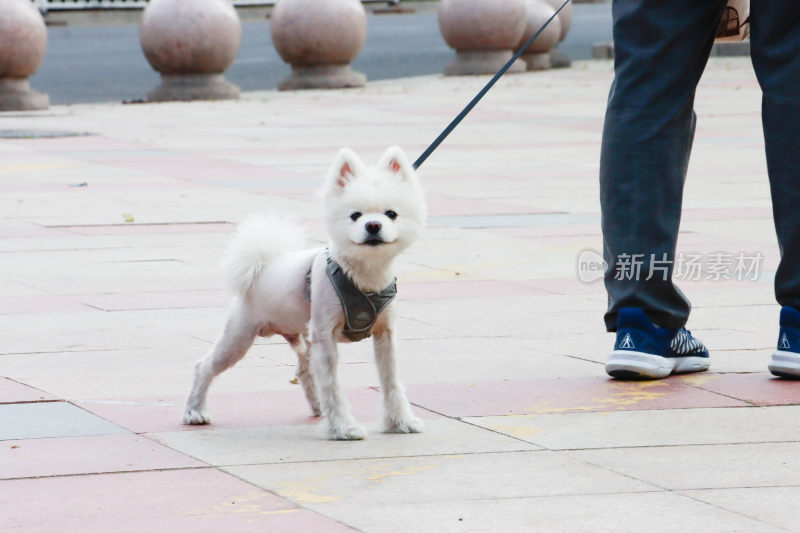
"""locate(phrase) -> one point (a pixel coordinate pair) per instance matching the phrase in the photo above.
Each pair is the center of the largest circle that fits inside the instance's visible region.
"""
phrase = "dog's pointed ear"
(394, 160)
(346, 167)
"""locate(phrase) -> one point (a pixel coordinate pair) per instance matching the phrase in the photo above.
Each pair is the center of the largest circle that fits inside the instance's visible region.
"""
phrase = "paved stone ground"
(109, 244)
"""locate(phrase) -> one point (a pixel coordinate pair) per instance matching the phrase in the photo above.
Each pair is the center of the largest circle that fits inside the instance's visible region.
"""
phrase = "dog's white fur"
(266, 267)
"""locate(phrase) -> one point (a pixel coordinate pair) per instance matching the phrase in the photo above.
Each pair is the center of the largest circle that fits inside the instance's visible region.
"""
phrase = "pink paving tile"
(29, 187)
(301, 194)
(560, 230)
(694, 242)
(87, 142)
(147, 229)
(13, 392)
(137, 184)
(717, 133)
(204, 500)
(437, 290)
(562, 396)
(87, 455)
(231, 411)
(16, 232)
(39, 303)
(157, 300)
(441, 205)
(498, 148)
(761, 388)
(182, 165)
(721, 284)
(565, 285)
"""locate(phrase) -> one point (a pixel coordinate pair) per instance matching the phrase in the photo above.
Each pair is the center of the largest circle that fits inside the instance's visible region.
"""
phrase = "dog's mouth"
(375, 241)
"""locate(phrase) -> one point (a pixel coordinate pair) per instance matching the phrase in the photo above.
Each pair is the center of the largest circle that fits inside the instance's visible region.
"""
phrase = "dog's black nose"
(372, 227)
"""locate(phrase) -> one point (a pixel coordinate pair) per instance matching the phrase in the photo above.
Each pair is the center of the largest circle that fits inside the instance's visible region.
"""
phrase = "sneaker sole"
(626, 364)
(785, 364)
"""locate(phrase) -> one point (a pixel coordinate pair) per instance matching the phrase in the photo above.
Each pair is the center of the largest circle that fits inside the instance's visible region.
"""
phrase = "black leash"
(442, 136)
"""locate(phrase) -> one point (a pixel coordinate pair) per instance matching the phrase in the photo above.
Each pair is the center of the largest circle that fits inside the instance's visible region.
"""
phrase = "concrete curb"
(723, 49)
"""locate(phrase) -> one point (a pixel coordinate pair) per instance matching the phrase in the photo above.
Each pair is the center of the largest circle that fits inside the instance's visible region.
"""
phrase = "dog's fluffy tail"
(259, 239)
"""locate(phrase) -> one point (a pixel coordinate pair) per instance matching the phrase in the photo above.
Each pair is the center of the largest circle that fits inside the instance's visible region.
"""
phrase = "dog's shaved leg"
(302, 348)
(324, 358)
(398, 416)
(230, 347)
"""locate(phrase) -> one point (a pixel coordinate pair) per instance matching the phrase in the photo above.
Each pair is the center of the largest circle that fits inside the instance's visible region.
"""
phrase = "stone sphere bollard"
(564, 16)
(191, 43)
(557, 58)
(23, 42)
(537, 57)
(319, 39)
(484, 33)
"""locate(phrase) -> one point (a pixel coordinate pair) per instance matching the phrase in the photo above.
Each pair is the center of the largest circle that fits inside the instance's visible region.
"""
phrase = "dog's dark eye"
(391, 214)
(355, 216)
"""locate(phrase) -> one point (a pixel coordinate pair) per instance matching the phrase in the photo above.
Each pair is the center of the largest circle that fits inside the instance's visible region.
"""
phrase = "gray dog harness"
(360, 310)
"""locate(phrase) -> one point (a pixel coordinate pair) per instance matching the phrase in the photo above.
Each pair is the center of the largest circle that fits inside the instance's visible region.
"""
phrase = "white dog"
(371, 215)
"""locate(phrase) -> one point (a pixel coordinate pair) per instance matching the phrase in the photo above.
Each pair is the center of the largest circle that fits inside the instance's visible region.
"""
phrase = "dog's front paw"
(196, 417)
(351, 431)
(410, 424)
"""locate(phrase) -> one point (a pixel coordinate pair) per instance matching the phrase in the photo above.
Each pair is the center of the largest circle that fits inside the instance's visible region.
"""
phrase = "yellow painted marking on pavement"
(380, 476)
(699, 378)
(312, 489)
(634, 393)
(303, 492)
(549, 409)
(246, 506)
(627, 394)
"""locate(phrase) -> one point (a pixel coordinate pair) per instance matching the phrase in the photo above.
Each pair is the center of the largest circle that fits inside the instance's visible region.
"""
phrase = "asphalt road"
(101, 64)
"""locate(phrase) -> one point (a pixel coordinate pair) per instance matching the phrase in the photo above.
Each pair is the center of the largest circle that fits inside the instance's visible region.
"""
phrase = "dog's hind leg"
(398, 416)
(302, 348)
(230, 347)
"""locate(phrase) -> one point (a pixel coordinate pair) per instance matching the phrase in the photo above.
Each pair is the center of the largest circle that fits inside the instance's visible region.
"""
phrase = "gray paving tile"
(51, 419)
(284, 444)
(776, 505)
(704, 467)
(440, 478)
(659, 512)
(664, 427)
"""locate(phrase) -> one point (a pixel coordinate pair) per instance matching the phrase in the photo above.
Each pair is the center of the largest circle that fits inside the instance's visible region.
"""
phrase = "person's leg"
(661, 49)
(775, 43)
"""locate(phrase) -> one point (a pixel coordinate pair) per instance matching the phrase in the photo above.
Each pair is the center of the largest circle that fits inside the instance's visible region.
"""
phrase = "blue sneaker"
(646, 351)
(785, 361)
